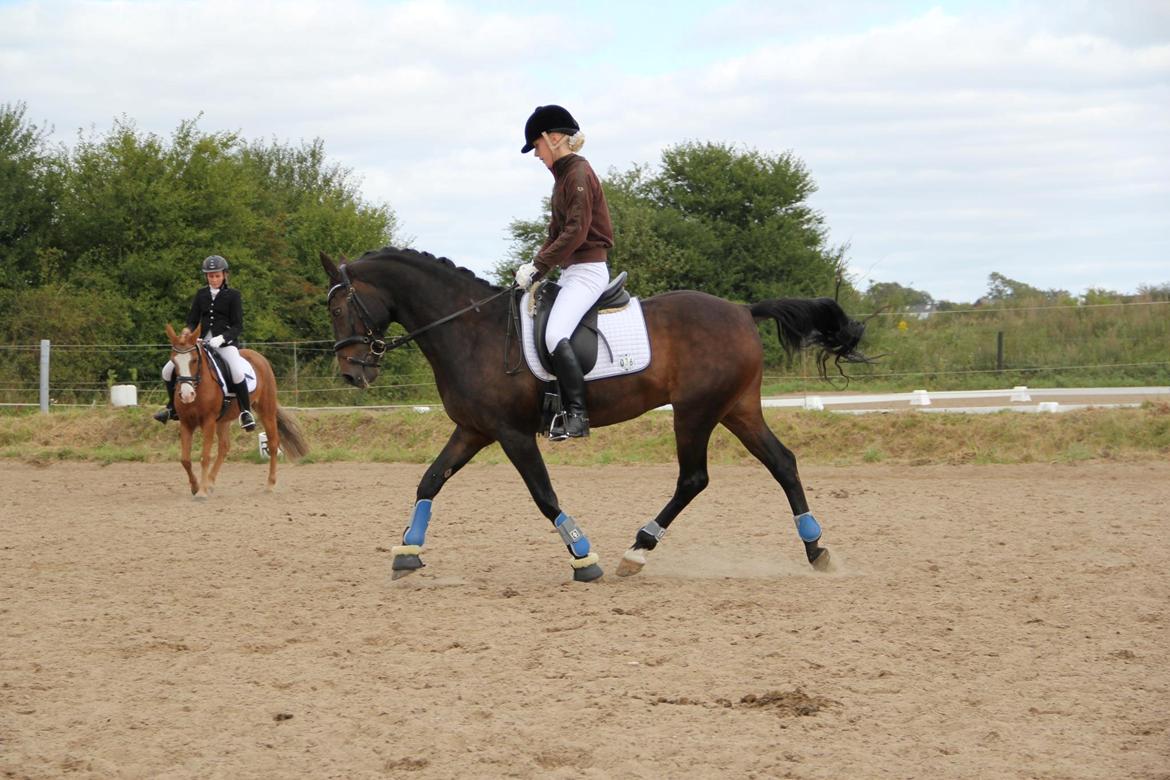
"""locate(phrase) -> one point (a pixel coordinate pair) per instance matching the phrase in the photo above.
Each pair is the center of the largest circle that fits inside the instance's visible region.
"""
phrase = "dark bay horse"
(199, 402)
(707, 362)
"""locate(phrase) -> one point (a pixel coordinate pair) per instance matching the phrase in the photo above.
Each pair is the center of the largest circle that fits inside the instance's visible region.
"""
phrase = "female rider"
(579, 236)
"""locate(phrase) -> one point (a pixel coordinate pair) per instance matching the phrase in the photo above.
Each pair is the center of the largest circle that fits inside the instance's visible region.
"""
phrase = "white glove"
(524, 275)
(216, 341)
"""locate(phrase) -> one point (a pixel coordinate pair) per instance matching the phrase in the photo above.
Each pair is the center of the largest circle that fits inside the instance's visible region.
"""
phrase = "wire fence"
(1122, 344)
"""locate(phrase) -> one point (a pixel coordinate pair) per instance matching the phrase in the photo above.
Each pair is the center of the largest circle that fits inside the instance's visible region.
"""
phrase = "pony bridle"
(189, 380)
(376, 345)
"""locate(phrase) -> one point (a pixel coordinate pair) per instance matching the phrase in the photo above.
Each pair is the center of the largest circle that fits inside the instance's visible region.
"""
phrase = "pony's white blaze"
(183, 368)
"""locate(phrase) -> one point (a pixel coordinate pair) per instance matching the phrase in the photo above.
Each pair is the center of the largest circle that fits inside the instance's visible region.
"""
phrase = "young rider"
(579, 236)
(220, 310)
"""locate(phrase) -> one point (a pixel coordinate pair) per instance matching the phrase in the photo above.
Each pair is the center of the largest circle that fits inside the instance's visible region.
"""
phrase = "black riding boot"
(162, 415)
(247, 421)
(573, 422)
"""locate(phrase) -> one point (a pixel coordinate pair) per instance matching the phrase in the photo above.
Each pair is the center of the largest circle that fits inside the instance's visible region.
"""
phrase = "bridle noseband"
(376, 345)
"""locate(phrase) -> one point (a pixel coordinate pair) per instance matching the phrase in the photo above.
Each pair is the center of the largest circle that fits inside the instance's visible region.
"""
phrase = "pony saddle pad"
(611, 339)
(222, 373)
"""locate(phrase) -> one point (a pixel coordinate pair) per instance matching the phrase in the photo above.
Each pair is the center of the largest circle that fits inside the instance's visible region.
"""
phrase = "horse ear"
(330, 268)
(198, 330)
(171, 333)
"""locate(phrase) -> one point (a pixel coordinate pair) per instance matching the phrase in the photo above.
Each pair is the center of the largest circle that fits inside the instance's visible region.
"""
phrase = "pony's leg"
(522, 450)
(208, 428)
(460, 448)
(186, 433)
(691, 434)
(225, 444)
(267, 413)
(747, 423)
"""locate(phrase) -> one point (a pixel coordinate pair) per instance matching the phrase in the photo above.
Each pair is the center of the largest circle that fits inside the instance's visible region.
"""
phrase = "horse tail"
(292, 441)
(814, 323)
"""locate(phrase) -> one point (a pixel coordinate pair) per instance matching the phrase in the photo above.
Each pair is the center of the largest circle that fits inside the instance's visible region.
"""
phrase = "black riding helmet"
(547, 119)
(214, 263)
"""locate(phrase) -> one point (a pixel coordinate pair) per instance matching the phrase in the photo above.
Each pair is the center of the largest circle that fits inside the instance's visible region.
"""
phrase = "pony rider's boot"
(573, 422)
(162, 415)
(247, 421)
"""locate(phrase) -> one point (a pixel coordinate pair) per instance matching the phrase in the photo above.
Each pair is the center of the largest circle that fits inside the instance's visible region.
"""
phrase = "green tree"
(29, 189)
(1001, 289)
(891, 296)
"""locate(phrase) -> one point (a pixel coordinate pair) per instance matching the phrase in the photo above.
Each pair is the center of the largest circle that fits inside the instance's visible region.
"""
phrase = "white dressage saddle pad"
(623, 346)
(249, 377)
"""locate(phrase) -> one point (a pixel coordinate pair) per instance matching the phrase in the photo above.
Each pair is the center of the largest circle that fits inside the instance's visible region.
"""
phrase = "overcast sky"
(948, 139)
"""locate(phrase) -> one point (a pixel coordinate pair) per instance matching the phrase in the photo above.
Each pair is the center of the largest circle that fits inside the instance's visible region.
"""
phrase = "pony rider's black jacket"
(223, 316)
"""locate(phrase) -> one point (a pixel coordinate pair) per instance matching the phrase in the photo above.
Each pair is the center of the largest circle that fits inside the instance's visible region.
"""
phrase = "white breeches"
(231, 355)
(581, 286)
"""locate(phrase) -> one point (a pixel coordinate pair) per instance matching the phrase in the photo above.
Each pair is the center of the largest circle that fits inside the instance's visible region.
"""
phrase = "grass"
(106, 435)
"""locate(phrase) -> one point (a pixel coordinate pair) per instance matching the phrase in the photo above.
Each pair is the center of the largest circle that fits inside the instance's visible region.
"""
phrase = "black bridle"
(376, 345)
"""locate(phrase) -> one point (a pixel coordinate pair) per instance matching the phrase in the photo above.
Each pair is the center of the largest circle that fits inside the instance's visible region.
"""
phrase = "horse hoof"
(588, 574)
(200, 497)
(404, 565)
(823, 562)
(632, 563)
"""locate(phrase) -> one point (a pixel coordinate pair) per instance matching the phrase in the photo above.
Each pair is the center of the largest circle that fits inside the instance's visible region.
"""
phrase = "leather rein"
(376, 345)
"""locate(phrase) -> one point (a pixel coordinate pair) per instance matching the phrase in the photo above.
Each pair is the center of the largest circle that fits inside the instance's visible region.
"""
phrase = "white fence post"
(44, 376)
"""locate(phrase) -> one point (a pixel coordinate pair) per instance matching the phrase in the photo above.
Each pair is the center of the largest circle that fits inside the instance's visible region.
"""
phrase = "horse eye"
(337, 312)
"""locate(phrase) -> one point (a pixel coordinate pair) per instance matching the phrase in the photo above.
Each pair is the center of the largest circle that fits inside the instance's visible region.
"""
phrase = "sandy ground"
(983, 622)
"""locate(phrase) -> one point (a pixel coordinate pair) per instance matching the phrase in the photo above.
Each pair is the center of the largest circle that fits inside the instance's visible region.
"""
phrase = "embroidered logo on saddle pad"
(623, 345)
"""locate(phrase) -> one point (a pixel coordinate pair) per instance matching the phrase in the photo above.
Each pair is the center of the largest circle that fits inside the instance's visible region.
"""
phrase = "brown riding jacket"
(579, 230)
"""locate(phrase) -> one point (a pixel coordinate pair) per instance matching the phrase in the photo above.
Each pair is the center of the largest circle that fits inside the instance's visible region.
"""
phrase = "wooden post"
(999, 351)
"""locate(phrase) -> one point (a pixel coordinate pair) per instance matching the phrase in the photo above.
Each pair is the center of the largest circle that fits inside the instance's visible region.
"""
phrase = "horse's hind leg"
(691, 434)
(521, 449)
(746, 421)
(460, 448)
(267, 412)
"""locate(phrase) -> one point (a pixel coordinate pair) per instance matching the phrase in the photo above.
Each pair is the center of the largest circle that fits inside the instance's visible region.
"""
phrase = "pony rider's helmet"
(547, 119)
(214, 263)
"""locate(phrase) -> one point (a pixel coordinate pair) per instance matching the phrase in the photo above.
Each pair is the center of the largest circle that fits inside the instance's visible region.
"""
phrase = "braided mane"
(390, 253)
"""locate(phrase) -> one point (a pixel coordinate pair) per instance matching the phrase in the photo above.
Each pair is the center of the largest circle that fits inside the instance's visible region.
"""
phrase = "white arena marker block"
(814, 402)
(1020, 394)
(920, 398)
(1048, 406)
(124, 395)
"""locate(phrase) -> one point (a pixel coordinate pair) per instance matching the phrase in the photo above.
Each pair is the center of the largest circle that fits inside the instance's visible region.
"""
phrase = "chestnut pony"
(706, 362)
(199, 402)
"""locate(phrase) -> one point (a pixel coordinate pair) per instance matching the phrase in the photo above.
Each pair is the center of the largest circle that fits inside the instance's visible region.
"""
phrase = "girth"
(584, 338)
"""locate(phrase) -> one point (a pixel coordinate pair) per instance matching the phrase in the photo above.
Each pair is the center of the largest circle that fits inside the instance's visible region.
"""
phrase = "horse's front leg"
(186, 433)
(224, 445)
(208, 429)
(460, 448)
(521, 449)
